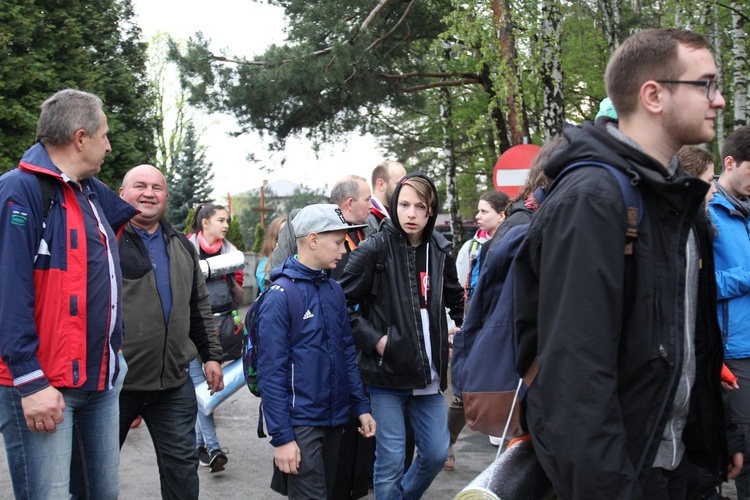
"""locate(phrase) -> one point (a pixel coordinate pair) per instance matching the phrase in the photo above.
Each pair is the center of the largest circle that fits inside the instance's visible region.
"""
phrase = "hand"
(367, 429)
(729, 387)
(287, 457)
(43, 410)
(735, 467)
(214, 376)
(380, 346)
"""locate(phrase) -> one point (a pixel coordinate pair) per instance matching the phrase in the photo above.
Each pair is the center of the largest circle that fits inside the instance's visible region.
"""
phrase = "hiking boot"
(203, 458)
(217, 460)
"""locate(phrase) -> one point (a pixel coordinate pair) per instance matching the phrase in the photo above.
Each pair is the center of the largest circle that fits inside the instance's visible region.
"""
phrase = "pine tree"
(260, 234)
(189, 179)
(46, 46)
(234, 234)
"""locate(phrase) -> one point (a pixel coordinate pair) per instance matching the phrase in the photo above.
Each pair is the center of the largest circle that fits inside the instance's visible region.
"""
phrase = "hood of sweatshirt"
(429, 228)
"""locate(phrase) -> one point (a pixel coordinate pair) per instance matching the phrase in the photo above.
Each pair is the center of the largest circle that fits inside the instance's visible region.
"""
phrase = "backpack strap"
(296, 312)
(381, 248)
(47, 186)
(630, 193)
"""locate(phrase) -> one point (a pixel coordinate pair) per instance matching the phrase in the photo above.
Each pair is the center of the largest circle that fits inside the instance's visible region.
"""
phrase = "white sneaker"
(496, 441)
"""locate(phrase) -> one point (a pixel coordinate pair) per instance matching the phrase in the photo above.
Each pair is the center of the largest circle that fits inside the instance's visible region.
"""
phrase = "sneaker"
(203, 458)
(218, 459)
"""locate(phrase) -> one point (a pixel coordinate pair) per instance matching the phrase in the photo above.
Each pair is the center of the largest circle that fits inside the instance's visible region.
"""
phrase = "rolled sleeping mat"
(514, 475)
(234, 380)
(220, 265)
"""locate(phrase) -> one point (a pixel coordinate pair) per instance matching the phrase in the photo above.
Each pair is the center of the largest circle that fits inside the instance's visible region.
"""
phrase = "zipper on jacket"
(294, 394)
(411, 254)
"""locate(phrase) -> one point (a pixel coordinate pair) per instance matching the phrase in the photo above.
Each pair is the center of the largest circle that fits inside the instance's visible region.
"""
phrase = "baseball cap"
(321, 218)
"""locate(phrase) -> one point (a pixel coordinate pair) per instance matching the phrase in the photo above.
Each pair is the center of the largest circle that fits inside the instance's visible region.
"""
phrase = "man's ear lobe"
(729, 163)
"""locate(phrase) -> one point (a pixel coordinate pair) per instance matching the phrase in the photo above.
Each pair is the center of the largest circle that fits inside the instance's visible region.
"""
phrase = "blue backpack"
(251, 335)
(483, 363)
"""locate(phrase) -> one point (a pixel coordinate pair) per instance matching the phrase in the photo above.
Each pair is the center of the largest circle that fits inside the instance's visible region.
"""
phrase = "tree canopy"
(49, 45)
(448, 85)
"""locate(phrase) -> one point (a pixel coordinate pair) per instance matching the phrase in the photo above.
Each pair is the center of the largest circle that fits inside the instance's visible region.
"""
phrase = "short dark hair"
(737, 146)
(694, 159)
(647, 55)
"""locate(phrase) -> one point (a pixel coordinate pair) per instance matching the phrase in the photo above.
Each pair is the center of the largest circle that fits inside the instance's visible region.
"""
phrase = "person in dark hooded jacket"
(401, 333)
(625, 345)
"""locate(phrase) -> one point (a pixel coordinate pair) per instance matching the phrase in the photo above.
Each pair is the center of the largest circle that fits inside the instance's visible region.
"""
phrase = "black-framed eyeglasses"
(712, 86)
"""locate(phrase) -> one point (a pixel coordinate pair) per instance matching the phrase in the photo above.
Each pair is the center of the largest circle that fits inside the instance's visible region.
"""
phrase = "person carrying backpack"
(401, 331)
(308, 379)
(619, 344)
(208, 236)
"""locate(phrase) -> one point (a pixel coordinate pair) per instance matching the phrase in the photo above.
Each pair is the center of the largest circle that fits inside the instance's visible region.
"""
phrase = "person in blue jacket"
(308, 380)
(61, 309)
(730, 213)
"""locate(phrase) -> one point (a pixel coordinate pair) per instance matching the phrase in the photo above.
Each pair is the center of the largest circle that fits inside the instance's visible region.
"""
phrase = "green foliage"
(246, 207)
(260, 234)
(189, 178)
(48, 45)
(234, 234)
(189, 220)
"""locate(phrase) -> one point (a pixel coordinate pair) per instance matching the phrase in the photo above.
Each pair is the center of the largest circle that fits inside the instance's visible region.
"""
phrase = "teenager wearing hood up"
(401, 331)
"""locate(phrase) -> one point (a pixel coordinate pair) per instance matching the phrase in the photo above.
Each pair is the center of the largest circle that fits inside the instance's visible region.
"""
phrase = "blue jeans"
(170, 418)
(429, 419)
(205, 428)
(46, 465)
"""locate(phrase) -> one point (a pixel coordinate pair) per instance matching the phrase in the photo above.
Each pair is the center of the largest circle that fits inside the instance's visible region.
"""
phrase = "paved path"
(248, 473)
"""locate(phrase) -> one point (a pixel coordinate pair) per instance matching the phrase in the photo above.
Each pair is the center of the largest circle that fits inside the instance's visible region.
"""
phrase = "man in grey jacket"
(168, 317)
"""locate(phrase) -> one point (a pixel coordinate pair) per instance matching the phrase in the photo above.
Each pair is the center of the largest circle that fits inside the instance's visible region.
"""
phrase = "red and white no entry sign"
(512, 168)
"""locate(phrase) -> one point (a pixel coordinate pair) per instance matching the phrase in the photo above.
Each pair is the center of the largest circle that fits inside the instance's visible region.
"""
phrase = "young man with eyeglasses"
(625, 338)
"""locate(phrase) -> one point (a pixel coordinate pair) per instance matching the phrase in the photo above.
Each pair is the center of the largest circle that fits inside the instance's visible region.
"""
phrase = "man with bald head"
(384, 179)
(60, 308)
(169, 322)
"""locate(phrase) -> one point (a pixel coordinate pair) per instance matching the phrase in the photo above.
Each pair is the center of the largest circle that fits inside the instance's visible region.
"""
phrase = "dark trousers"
(319, 451)
(170, 418)
(456, 419)
(665, 484)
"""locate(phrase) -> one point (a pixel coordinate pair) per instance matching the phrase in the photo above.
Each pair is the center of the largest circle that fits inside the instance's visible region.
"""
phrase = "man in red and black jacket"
(60, 307)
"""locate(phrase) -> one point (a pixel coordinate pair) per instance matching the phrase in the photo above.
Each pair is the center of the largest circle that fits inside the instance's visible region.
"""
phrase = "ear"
(78, 137)
(312, 240)
(651, 97)
(729, 164)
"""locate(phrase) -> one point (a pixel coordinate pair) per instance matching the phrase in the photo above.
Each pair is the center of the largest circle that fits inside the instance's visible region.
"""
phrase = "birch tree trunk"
(611, 11)
(552, 76)
(739, 58)
(717, 55)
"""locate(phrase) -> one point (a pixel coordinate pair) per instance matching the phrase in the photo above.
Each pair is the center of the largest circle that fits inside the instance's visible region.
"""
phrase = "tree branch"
(392, 30)
(736, 11)
(451, 83)
(413, 74)
(372, 14)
